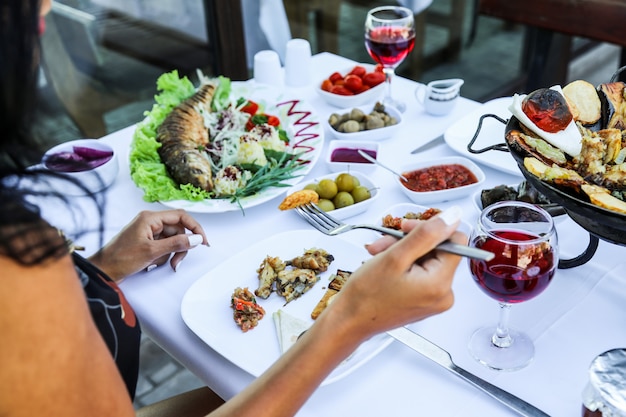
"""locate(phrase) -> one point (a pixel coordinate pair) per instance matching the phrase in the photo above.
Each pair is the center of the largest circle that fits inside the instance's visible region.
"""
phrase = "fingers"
(178, 244)
(422, 236)
(177, 259)
(380, 244)
(171, 222)
(167, 232)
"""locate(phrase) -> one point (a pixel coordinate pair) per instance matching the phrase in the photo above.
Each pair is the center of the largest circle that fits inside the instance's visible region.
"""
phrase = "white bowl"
(368, 135)
(364, 167)
(337, 100)
(427, 197)
(353, 210)
(94, 179)
(552, 208)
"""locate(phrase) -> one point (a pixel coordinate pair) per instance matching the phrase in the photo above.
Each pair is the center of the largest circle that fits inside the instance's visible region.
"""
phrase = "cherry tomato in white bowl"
(352, 86)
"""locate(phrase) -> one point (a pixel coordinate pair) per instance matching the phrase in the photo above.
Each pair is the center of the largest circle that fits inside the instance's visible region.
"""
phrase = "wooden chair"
(548, 49)
(225, 32)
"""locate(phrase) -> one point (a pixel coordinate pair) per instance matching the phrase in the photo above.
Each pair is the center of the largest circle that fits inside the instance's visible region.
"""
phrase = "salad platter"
(299, 129)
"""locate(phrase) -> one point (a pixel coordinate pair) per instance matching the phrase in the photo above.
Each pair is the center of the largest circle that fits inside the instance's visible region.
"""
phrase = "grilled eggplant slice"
(336, 284)
(537, 147)
(613, 105)
(561, 177)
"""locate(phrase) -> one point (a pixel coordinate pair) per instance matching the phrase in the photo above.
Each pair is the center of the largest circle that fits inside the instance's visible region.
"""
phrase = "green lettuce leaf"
(221, 98)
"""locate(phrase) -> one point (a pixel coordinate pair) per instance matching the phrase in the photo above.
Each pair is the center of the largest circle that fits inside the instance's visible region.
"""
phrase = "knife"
(428, 145)
(443, 358)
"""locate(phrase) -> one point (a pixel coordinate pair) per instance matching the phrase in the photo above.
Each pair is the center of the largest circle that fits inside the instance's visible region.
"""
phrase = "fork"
(330, 226)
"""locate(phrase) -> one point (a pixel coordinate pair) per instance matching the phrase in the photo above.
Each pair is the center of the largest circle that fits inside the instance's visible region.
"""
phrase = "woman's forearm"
(285, 387)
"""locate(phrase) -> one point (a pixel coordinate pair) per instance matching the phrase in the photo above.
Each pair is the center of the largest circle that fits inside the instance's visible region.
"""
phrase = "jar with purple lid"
(605, 393)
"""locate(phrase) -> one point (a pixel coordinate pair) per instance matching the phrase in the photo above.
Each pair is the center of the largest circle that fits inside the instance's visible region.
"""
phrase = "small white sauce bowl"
(351, 167)
(428, 197)
(95, 179)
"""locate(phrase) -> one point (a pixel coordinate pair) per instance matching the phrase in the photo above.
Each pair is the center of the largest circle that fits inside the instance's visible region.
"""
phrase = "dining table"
(580, 315)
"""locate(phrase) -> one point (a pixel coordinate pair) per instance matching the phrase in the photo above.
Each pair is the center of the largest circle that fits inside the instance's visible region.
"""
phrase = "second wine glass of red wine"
(523, 238)
(389, 38)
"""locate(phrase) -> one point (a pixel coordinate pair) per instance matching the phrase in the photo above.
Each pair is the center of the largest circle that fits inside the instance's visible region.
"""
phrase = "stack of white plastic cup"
(267, 69)
(298, 63)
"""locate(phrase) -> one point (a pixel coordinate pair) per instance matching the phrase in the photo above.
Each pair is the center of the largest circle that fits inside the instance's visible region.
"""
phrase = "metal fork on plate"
(328, 225)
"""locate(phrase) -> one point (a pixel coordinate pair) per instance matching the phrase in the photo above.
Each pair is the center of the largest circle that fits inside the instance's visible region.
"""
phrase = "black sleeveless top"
(114, 318)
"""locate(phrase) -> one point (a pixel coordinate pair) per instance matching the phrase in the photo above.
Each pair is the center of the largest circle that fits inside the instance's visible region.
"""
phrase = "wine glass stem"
(389, 73)
(502, 338)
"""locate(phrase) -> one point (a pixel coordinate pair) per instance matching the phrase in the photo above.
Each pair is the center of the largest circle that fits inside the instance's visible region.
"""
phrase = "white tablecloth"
(579, 316)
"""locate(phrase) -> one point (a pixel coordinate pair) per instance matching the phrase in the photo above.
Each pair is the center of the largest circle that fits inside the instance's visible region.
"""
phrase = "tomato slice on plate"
(250, 107)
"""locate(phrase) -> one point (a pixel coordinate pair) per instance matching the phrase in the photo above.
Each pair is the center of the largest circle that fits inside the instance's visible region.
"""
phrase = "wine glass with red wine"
(389, 37)
(523, 238)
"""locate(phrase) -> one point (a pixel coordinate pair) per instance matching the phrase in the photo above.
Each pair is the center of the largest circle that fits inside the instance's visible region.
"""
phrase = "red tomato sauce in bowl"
(438, 177)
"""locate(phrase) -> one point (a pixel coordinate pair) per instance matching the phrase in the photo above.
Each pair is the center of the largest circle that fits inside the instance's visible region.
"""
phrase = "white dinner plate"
(303, 128)
(206, 304)
(459, 135)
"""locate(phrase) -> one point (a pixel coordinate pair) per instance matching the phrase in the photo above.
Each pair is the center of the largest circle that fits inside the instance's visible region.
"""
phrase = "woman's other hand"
(149, 240)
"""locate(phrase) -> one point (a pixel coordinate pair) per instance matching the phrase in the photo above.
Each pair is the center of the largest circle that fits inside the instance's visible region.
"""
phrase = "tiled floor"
(160, 376)
(491, 60)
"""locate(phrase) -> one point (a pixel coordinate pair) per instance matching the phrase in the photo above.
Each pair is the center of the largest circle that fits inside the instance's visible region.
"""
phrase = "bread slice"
(583, 101)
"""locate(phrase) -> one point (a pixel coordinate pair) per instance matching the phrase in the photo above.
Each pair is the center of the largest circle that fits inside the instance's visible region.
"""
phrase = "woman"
(24, 237)
(54, 359)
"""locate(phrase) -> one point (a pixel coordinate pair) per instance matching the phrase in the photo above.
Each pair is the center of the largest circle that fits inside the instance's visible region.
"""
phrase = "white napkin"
(274, 23)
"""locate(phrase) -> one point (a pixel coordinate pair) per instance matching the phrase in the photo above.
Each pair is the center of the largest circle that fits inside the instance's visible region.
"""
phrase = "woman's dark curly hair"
(24, 235)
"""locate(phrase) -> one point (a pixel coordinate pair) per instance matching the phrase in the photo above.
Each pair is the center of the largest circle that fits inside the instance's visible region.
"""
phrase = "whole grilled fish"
(183, 137)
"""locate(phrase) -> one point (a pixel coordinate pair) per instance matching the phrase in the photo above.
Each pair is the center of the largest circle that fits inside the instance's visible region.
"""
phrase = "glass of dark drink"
(389, 37)
(523, 238)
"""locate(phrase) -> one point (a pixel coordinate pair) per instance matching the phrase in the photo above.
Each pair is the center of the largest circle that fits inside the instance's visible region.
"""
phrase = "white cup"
(267, 69)
(439, 97)
(298, 63)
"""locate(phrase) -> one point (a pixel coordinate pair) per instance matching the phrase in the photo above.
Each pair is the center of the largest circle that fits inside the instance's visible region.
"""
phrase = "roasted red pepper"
(240, 304)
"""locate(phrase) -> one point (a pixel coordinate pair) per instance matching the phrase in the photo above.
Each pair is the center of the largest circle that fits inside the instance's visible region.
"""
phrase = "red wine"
(518, 272)
(389, 45)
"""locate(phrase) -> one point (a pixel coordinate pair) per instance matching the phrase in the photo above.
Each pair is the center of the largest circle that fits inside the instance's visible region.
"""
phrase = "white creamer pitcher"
(439, 97)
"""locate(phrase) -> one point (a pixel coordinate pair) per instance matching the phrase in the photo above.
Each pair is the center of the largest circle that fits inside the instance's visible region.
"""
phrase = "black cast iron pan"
(600, 222)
